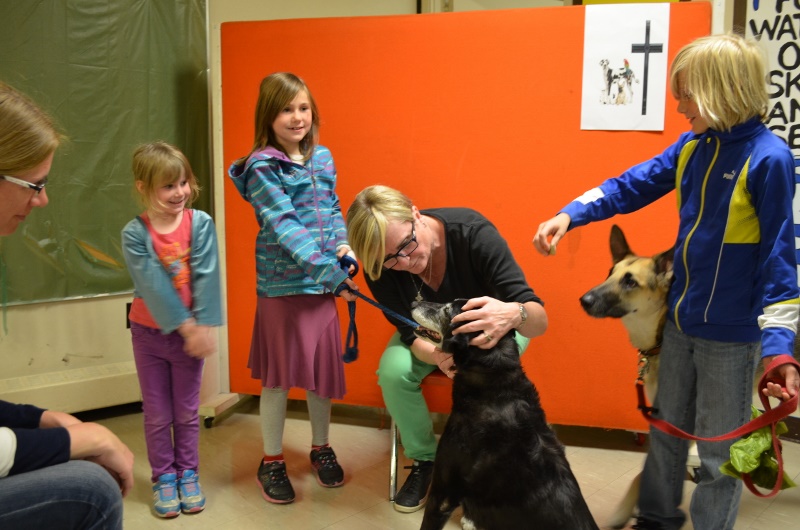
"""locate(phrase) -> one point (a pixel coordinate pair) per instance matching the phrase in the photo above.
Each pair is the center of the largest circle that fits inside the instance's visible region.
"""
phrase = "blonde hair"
(158, 164)
(726, 76)
(27, 133)
(369, 214)
(276, 92)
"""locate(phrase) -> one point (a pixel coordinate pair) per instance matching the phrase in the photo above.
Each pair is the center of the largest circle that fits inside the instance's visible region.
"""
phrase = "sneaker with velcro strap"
(192, 498)
(274, 482)
(166, 503)
(326, 468)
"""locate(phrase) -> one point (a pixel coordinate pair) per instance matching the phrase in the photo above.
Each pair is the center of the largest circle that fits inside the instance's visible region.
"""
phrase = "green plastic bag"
(755, 455)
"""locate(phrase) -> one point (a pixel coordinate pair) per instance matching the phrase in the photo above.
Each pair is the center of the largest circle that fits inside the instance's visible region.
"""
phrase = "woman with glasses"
(436, 255)
(27, 143)
(49, 472)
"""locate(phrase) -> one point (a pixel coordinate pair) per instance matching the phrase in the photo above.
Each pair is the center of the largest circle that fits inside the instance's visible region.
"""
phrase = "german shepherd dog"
(497, 457)
(635, 291)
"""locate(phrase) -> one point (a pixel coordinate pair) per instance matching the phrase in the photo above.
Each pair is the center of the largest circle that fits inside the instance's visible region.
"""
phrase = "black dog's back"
(497, 456)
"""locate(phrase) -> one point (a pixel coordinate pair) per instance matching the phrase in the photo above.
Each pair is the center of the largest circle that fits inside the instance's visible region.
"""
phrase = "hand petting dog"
(492, 319)
(487, 316)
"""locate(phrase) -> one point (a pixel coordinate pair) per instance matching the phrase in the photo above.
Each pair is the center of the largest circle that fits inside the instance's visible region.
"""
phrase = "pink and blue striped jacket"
(300, 220)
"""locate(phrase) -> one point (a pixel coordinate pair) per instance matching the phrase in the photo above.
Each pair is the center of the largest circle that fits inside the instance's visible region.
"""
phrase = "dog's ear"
(450, 342)
(455, 343)
(619, 246)
(456, 305)
(664, 263)
(453, 309)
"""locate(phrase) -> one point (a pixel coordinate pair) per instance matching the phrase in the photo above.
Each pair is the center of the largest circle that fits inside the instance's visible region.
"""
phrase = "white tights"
(273, 418)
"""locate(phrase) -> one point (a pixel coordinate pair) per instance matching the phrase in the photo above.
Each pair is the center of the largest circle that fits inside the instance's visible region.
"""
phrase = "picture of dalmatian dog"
(617, 84)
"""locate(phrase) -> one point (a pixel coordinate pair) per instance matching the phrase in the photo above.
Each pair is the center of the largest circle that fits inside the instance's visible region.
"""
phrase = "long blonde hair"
(28, 135)
(367, 218)
(726, 76)
(157, 164)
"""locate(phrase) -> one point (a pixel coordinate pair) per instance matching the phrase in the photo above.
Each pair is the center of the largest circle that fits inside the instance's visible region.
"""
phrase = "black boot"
(414, 493)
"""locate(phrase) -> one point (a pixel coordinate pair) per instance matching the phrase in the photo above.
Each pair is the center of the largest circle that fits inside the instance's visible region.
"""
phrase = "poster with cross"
(625, 67)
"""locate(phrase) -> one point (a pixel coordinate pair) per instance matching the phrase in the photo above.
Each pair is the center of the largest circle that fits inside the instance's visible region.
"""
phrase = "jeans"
(170, 383)
(76, 494)
(705, 388)
(399, 376)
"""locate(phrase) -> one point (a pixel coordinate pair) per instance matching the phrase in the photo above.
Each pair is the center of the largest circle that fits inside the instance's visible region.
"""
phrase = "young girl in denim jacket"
(171, 253)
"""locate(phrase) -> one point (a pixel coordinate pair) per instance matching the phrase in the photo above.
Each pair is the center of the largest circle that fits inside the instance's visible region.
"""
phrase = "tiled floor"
(603, 461)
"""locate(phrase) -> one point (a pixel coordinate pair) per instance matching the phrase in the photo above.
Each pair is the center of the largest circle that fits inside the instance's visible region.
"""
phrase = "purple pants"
(170, 384)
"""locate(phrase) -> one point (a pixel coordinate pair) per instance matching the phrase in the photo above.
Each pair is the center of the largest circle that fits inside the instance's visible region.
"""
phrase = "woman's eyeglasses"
(25, 184)
(404, 251)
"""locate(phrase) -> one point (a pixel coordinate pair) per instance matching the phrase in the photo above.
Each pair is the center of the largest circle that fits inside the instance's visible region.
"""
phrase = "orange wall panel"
(477, 109)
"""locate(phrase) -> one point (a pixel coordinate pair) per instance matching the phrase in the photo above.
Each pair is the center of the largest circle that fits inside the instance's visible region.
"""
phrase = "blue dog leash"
(351, 343)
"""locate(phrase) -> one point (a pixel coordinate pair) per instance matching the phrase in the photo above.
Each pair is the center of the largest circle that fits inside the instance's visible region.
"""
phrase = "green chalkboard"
(113, 75)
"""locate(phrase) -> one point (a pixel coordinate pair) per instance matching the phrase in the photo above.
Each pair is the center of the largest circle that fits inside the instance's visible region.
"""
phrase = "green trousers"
(399, 376)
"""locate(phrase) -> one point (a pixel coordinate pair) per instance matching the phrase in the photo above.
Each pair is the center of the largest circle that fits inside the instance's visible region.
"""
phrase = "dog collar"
(652, 352)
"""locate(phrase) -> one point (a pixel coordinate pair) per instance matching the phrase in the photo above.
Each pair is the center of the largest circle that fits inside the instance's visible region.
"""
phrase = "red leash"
(770, 417)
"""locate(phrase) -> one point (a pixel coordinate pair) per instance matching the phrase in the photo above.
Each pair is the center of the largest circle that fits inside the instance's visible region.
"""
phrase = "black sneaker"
(414, 493)
(328, 471)
(275, 485)
(644, 524)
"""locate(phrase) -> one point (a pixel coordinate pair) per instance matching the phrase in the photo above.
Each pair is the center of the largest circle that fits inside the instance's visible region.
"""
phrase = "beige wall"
(70, 356)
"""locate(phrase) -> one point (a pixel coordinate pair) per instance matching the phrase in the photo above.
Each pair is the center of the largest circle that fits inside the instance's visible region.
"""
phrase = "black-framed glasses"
(25, 184)
(404, 251)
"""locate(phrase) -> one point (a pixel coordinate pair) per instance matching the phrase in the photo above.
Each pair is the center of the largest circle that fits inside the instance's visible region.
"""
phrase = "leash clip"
(644, 368)
(648, 410)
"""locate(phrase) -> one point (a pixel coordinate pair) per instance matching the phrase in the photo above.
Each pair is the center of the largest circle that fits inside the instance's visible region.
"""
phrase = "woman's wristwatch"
(523, 315)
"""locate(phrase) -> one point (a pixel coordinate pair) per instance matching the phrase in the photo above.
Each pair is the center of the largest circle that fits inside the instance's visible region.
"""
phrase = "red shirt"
(173, 250)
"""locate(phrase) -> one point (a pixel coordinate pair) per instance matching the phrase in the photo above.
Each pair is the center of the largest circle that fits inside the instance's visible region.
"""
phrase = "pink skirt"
(297, 343)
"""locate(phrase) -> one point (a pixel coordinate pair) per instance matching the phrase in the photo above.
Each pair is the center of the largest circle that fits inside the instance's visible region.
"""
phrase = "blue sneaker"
(165, 496)
(192, 498)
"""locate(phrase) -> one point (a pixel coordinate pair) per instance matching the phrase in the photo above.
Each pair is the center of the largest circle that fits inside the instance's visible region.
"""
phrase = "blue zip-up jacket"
(299, 218)
(735, 267)
(153, 283)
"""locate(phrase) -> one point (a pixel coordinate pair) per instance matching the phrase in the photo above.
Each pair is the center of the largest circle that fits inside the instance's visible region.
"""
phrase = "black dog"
(497, 456)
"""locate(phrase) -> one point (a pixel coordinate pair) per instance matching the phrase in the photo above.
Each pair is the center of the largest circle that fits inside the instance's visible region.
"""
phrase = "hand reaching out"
(556, 227)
